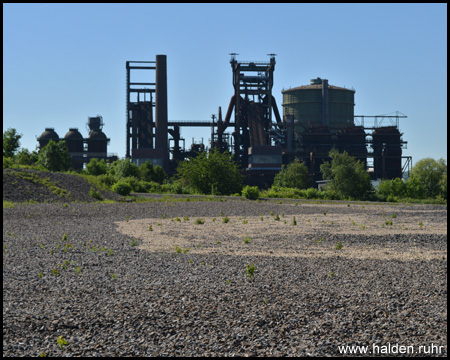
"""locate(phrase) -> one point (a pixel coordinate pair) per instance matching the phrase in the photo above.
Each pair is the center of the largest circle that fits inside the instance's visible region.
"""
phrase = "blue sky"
(65, 62)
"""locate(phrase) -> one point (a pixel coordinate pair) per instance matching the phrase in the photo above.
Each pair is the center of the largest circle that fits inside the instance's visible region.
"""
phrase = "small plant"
(421, 224)
(363, 227)
(264, 301)
(331, 274)
(110, 252)
(41, 274)
(393, 216)
(221, 213)
(55, 272)
(65, 205)
(133, 242)
(113, 276)
(186, 250)
(245, 221)
(251, 192)
(64, 238)
(226, 219)
(28, 216)
(324, 213)
(164, 216)
(277, 218)
(262, 218)
(388, 223)
(247, 240)
(94, 249)
(177, 219)
(250, 270)
(227, 282)
(77, 270)
(218, 242)
(178, 250)
(294, 222)
(271, 213)
(199, 221)
(95, 194)
(338, 246)
(61, 342)
(150, 228)
(186, 218)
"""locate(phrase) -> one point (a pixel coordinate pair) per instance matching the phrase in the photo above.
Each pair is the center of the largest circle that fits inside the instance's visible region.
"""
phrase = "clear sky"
(65, 62)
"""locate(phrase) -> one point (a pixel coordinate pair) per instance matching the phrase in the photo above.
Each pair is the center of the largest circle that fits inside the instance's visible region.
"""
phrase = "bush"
(124, 168)
(107, 180)
(7, 162)
(122, 188)
(295, 175)
(211, 173)
(96, 167)
(95, 194)
(251, 192)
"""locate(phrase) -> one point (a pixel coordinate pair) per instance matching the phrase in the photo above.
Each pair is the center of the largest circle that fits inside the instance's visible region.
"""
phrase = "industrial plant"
(315, 118)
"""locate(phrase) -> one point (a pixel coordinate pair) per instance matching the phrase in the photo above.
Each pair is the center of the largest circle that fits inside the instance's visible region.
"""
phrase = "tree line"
(217, 173)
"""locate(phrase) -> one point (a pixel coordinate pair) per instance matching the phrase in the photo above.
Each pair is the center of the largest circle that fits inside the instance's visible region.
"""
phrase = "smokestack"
(161, 133)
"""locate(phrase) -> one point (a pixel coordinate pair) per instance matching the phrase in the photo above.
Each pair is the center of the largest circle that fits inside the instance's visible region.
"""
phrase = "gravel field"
(95, 275)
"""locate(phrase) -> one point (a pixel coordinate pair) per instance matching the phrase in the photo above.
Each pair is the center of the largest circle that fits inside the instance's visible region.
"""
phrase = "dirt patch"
(312, 236)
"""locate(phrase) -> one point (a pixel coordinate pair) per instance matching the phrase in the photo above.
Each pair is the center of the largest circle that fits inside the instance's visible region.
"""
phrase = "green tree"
(55, 156)
(429, 173)
(295, 175)
(146, 171)
(25, 157)
(10, 142)
(211, 173)
(124, 168)
(96, 167)
(348, 176)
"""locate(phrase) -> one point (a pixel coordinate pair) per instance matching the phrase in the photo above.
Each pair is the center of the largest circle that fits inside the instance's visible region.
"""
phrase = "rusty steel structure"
(316, 118)
(253, 104)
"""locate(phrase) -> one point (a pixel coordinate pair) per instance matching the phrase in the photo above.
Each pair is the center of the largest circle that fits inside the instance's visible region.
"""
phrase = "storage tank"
(97, 144)
(387, 152)
(46, 136)
(74, 141)
(319, 104)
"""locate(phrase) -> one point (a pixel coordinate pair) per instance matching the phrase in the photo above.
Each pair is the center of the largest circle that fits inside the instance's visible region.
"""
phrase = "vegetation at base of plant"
(133, 242)
(388, 223)
(247, 240)
(186, 218)
(245, 221)
(250, 192)
(199, 221)
(363, 227)
(226, 219)
(61, 342)
(294, 222)
(277, 218)
(338, 246)
(77, 270)
(250, 270)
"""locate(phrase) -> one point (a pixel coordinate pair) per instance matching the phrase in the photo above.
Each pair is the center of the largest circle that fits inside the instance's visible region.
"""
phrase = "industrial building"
(82, 150)
(315, 118)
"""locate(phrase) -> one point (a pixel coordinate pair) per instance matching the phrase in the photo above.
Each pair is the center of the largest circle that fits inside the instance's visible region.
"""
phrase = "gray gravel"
(122, 301)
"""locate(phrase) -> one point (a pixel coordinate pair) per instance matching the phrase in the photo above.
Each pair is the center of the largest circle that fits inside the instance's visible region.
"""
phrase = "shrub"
(295, 175)
(107, 180)
(122, 188)
(211, 173)
(96, 167)
(95, 194)
(55, 156)
(251, 192)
